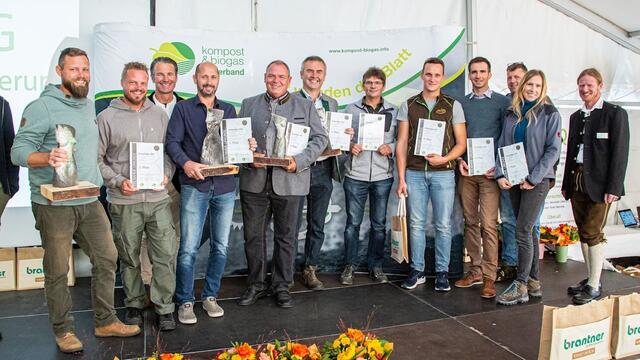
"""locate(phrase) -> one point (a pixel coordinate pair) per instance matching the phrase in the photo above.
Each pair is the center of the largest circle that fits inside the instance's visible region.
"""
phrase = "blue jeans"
(355, 194)
(509, 246)
(440, 188)
(193, 209)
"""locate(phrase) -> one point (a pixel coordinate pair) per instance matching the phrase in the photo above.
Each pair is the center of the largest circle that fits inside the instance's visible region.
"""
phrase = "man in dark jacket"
(8, 171)
(597, 155)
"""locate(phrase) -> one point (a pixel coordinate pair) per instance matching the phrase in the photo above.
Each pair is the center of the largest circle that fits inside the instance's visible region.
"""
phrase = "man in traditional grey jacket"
(272, 190)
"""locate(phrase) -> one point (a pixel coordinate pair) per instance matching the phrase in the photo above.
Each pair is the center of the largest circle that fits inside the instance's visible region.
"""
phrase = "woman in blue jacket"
(534, 122)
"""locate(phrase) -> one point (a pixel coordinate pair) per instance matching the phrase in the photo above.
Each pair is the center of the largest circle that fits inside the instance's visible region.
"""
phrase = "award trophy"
(212, 153)
(65, 184)
(278, 155)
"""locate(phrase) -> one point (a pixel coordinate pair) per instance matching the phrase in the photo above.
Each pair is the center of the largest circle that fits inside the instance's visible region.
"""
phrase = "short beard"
(78, 92)
(133, 101)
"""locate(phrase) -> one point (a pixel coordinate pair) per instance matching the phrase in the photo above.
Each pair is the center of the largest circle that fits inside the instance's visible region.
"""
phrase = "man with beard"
(275, 191)
(84, 219)
(216, 194)
(134, 118)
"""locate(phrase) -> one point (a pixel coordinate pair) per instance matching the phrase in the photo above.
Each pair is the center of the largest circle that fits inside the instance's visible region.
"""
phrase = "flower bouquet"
(239, 351)
(561, 236)
(353, 344)
(289, 351)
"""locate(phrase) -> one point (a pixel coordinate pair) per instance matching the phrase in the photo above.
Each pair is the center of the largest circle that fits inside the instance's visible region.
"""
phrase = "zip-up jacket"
(119, 125)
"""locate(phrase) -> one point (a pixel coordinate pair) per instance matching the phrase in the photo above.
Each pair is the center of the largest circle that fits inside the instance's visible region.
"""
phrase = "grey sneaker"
(310, 278)
(534, 288)
(516, 293)
(186, 314)
(212, 308)
(346, 278)
(378, 275)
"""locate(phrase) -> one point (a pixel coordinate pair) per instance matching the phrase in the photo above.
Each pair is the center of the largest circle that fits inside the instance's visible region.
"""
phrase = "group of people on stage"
(156, 234)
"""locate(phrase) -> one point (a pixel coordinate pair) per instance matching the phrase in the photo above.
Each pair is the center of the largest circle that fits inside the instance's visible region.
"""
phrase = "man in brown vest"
(429, 177)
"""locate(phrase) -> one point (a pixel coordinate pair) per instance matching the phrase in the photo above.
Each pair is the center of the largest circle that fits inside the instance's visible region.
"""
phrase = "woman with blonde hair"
(536, 124)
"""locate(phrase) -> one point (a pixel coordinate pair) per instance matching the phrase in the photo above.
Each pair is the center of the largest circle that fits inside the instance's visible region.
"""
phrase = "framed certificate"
(371, 131)
(146, 162)
(296, 139)
(481, 155)
(429, 137)
(514, 163)
(235, 135)
(338, 123)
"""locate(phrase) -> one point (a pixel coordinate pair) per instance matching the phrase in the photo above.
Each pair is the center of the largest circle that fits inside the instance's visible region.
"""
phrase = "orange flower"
(245, 350)
(300, 350)
(355, 334)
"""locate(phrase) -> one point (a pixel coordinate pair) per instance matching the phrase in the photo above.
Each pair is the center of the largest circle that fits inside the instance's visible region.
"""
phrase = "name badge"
(602, 135)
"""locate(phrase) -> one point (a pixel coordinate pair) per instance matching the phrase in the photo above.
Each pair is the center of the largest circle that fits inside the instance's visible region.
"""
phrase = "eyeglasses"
(375, 82)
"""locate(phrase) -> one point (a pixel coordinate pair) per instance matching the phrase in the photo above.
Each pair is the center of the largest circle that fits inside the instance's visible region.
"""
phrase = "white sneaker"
(212, 308)
(186, 314)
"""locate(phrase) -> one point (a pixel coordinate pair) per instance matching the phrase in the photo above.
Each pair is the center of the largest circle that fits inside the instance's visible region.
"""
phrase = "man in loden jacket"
(597, 155)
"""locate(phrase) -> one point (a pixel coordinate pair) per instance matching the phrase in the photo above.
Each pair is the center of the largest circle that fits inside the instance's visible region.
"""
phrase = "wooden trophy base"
(220, 170)
(269, 161)
(83, 189)
(331, 152)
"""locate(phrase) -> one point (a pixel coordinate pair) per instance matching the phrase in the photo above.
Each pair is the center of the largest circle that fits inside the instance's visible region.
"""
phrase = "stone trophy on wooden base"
(212, 154)
(278, 155)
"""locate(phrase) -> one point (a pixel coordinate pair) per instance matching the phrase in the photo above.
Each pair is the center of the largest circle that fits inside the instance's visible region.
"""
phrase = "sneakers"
(133, 316)
(488, 288)
(414, 279)
(166, 322)
(68, 343)
(310, 278)
(186, 314)
(534, 288)
(442, 281)
(516, 293)
(468, 281)
(117, 329)
(346, 278)
(212, 308)
(506, 273)
(378, 276)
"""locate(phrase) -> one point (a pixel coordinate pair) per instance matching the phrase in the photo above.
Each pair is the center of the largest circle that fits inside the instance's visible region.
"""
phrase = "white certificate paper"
(514, 163)
(296, 139)
(371, 131)
(235, 135)
(481, 155)
(429, 137)
(146, 165)
(338, 123)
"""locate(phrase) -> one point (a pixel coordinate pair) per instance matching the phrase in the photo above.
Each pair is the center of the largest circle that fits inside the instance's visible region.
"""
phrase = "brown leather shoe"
(310, 278)
(68, 343)
(468, 281)
(488, 289)
(117, 329)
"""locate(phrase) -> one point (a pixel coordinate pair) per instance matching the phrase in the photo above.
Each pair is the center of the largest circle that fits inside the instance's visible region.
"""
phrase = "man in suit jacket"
(8, 171)
(597, 155)
(277, 191)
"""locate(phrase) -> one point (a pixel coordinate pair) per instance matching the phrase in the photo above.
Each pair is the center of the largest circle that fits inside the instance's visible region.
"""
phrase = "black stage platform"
(423, 324)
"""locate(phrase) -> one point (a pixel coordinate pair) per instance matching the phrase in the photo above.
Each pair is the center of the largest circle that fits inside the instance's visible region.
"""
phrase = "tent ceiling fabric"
(624, 14)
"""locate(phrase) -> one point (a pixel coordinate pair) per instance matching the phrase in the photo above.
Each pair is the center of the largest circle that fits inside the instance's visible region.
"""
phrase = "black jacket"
(605, 153)
(8, 171)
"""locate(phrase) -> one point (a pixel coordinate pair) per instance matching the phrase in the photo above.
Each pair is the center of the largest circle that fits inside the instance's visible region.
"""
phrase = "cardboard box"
(30, 271)
(7, 269)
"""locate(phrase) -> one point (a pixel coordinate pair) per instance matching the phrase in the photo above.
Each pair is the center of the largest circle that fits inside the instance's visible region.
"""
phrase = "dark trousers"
(317, 205)
(526, 206)
(257, 210)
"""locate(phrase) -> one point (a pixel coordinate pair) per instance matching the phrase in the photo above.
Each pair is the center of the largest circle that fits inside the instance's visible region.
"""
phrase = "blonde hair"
(518, 97)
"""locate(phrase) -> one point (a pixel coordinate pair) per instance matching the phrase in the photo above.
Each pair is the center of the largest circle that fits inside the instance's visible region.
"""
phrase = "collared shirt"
(597, 105)
(586, 112)
(168, 108)
(486, 94)
(370, 108)
(317, 104)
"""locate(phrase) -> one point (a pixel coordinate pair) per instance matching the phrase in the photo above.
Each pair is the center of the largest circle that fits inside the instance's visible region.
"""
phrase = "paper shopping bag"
(625, 338)
(399, 242)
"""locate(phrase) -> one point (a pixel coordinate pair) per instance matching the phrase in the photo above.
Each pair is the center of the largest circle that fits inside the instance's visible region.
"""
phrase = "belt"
(324, 162)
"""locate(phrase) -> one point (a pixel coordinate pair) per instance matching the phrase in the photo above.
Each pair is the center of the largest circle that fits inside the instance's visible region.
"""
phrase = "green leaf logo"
(179, 52)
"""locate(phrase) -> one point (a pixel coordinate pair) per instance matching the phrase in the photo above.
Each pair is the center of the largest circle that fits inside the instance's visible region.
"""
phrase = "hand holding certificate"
(514, 163)
(338, 123)
(371, 131)
(146, 161)
(481, 155)
(430, 137)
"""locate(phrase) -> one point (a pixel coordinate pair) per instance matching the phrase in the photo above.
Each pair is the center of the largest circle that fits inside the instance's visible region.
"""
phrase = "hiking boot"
(414, 279)
(310, 278)
(68, 343)
(468, 281)
(488, 288)
(166, 322)
(133, 316)
(506, 273)
(346, 278)
(186, 314)
(534, 288)
(442, 281)
(378, 276)
(117, 329)
(212, 308)
(516, 293)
